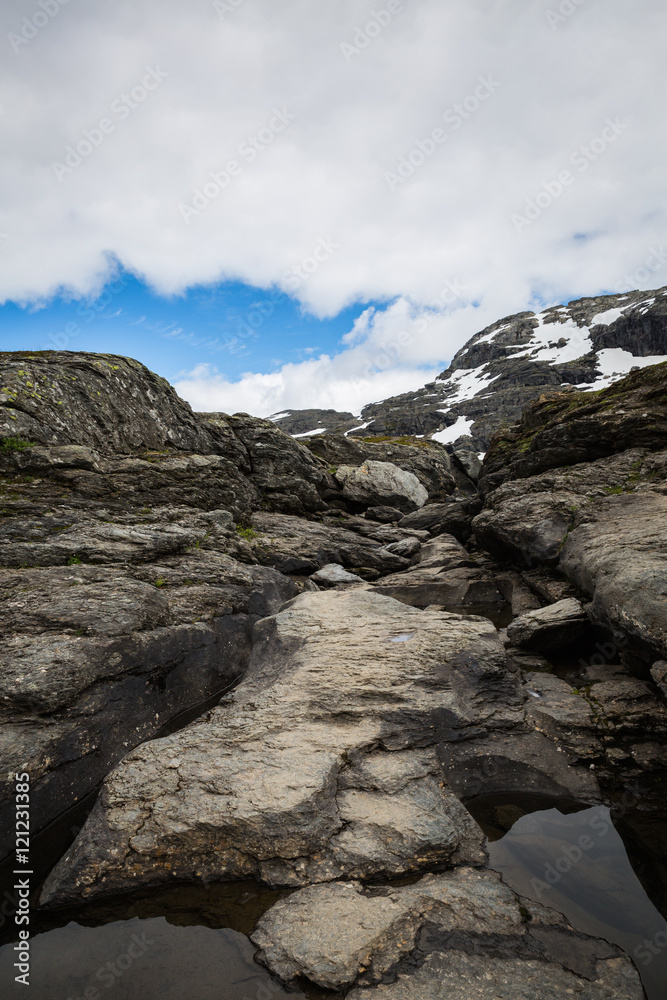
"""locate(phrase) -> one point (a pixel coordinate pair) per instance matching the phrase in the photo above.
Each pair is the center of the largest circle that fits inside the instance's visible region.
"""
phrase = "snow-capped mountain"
(587, 344)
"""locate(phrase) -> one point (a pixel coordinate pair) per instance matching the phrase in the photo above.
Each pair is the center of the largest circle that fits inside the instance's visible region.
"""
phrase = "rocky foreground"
(367, 640)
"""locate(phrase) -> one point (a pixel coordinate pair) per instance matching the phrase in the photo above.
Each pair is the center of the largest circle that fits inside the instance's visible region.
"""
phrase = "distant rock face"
(587, 344)
(306, 423)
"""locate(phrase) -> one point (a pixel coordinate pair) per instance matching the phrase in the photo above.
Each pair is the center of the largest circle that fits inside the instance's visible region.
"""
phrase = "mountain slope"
(588, 344)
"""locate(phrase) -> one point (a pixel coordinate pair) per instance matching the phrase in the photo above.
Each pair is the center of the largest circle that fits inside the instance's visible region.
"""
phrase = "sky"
(315, 203)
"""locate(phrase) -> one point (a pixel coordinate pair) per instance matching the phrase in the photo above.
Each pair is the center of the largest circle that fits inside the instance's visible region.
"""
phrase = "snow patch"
(467, 382)
(614, 363)
(309, 434)
(607, 318)
(450, 434)
(577, 343)
(361, 427)
(279, 416)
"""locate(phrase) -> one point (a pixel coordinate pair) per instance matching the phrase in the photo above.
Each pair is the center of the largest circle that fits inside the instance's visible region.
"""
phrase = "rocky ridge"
(588, 344)
(396, 652)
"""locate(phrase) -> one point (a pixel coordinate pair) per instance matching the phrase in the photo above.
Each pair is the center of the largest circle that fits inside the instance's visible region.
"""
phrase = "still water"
(578, 864)
(191, 941)
(126, 949)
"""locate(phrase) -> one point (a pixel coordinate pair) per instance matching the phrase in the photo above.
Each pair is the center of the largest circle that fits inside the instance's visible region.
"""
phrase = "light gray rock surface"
(462, 934)
(381, 483)
(333, 574)
(546, 629)
(320, 765)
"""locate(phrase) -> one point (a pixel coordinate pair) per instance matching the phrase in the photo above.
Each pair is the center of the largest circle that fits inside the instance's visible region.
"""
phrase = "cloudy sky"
(291, 203)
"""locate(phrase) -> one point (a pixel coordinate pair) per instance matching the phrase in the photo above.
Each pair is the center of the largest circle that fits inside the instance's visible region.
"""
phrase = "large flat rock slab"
(462, 934)
(320, 765)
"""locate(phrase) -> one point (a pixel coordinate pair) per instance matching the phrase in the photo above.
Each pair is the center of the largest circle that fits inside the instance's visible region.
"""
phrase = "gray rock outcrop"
(381, 483)
(545, 629)
(320, 765)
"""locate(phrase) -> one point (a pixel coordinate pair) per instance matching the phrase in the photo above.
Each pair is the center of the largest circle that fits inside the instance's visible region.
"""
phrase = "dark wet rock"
(96, 659)
(381, 483)
(451, 518)
(446, 575)
(320, 765)
(546, 629)
(659, 675)
(385, 515)
(463, 934)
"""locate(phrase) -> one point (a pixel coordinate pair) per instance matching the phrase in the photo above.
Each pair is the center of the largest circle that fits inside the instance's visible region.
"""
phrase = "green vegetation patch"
(15, 444)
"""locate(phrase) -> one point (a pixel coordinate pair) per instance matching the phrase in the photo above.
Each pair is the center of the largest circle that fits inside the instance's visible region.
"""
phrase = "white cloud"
(324, 175)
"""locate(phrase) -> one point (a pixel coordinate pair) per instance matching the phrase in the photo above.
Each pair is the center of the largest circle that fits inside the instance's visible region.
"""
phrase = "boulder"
(382, 483)
(547, 629)
(286, 474)
(332, 575)
(427, 460)
(319, 765)
(407, 547)
(617, 553)
(460, 934)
